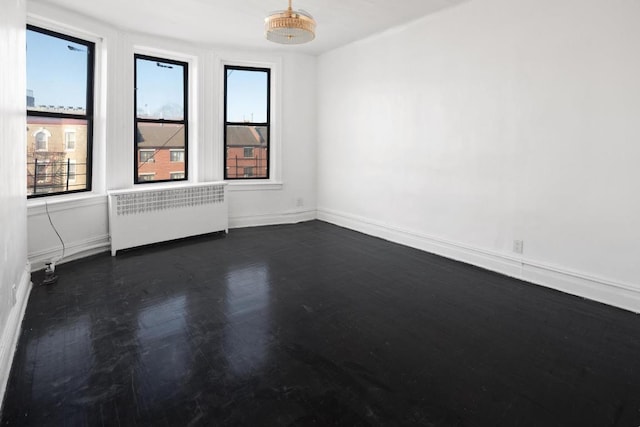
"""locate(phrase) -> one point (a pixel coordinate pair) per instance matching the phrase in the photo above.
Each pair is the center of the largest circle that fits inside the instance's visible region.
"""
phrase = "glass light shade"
(289, 27)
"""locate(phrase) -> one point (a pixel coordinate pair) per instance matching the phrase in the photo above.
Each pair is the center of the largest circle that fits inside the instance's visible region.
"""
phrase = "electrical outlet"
(518, 246)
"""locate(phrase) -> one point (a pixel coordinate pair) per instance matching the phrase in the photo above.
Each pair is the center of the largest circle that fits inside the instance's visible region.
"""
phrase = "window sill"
(253, 186)
(64, 202)
(162, 185)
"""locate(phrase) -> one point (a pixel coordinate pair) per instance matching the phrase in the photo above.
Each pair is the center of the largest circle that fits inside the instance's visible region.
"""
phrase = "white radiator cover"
(143, 216)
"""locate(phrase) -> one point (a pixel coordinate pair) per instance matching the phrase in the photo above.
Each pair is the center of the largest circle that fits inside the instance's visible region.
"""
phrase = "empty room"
(303, 212)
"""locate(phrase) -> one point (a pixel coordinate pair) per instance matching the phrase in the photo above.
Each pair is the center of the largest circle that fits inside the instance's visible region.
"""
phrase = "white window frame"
(142, 46)
(176, 150)
(68, 132)
(153, 174)
(44, 164)
(77, 28)
(75, 170)
(147, 150)
(275, 138)
(46, 134)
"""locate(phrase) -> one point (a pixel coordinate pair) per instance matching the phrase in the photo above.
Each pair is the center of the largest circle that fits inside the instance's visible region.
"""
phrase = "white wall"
(14, 269)
(491, 122)
(295, 199)
(82, 219)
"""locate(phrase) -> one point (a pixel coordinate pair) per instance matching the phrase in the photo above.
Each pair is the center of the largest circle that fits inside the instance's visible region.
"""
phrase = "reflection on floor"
(312, 324)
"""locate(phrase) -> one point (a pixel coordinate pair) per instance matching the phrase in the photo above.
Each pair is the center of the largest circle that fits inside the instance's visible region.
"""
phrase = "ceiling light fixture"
(289, 26)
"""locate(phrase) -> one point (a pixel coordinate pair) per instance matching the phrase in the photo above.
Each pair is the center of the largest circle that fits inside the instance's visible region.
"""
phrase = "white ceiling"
(241, 22)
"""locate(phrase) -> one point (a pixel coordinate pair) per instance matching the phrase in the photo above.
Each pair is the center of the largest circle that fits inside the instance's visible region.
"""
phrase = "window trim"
(184, 122)
(75, 170)
(148, 174)
(88, 115)
(275, 63)
(44, 165)
(46, 134)
(177, 150)
(147, 150)
(66, 139)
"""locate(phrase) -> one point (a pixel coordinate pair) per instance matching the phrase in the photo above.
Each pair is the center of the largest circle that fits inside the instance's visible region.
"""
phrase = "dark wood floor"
(311, 324)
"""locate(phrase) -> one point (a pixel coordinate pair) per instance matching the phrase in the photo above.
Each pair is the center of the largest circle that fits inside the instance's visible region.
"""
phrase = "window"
(69, 140)
(160, 118)
(146, 156)
(42, 172)
(59, 111)
(247, 122)
(42, 139)
(71, 170)
(176, 156)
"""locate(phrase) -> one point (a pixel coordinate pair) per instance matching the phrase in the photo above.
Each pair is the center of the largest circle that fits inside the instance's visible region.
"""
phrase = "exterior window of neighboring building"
(69, 140)
(160, 98)
(176, 156)
(60, 75)
(42, 172)
(247, 122)
(146, 156)
(71, 171)
(42, 137)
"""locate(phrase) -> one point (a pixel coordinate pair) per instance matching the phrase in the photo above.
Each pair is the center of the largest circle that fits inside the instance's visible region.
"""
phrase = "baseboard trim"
(272, 219)
(73, 251)
(618, 294)
(99, 244)
(10, 333)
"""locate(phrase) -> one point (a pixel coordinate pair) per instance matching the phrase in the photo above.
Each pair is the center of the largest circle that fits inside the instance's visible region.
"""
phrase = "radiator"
(140, 217)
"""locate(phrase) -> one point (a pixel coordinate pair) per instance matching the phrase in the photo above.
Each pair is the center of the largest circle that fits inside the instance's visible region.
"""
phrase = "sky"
(159, 89)
(57, 75)
(246, 96)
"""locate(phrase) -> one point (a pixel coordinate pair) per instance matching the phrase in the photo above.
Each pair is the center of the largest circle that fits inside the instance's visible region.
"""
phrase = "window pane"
(239, 140)
(59, 85)
(155, 144)
(159, 90)
(70, 140)
(51, 167)
(247, 96)
(56, 74)
(147, 156)
(177, 155)
(71, 170)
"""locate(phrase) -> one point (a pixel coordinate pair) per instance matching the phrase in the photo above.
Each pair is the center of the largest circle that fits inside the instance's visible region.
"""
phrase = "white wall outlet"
(518, 246)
